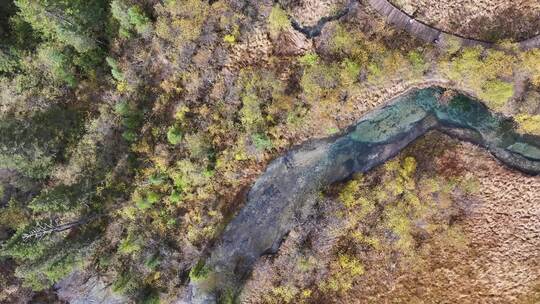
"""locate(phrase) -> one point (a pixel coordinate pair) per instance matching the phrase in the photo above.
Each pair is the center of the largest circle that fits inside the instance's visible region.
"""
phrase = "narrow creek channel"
(282, 195)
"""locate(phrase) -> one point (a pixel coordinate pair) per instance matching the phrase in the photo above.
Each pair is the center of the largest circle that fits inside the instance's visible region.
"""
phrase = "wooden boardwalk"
(402, 20)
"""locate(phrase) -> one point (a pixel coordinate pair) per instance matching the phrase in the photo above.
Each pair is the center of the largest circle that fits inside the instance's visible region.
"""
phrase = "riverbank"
(280, 198)
(459, 240)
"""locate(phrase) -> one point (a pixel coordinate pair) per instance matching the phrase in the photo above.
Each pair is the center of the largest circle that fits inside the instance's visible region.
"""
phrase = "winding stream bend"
(315, 30)
(281, 197)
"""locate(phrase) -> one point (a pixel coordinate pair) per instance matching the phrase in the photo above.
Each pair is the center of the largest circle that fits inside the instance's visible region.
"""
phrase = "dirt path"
(402, 20)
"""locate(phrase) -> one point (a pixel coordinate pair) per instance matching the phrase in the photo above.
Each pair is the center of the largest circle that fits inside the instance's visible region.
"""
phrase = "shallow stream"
(281, 198)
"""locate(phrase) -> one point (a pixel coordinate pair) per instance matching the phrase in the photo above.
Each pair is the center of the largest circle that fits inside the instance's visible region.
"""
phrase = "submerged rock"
(525, 149)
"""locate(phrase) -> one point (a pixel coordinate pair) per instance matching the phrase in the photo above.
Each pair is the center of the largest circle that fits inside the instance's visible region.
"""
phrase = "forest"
(130, 130)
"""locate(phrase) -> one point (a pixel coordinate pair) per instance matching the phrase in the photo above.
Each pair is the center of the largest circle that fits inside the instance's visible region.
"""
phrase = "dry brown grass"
(500, 262)
(481, 19)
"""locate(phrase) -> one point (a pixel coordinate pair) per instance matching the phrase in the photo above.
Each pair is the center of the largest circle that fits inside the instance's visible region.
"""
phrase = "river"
(283, 195)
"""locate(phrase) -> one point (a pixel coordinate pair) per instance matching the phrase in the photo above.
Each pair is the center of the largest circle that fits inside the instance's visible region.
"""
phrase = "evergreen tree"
(77, 23)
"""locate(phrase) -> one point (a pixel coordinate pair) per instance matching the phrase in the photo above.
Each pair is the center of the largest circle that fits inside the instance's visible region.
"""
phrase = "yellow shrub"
(278, 20)
(281, 294)
(529, 123)
(344, 272)
(483, 74)
(496, 93)
(530, 62)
